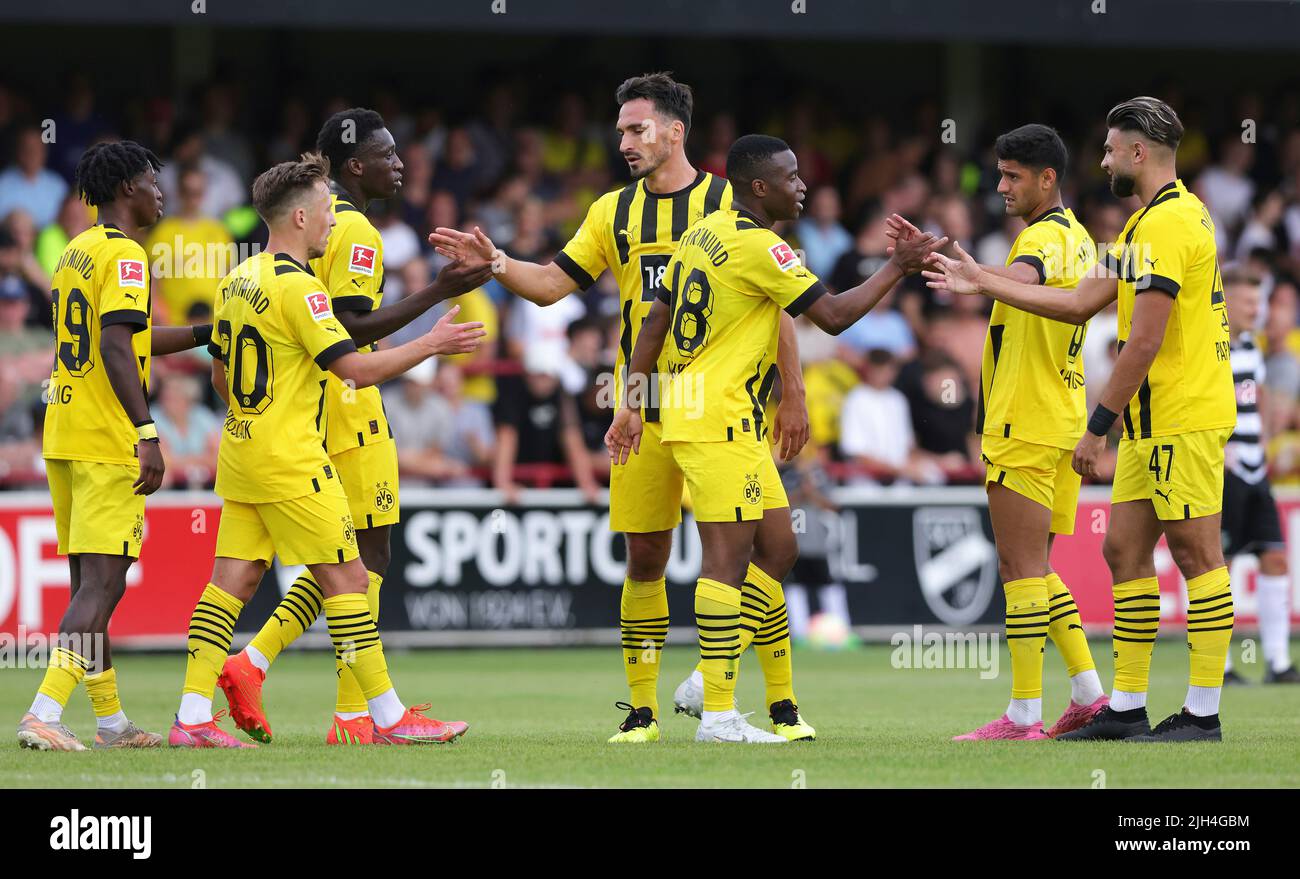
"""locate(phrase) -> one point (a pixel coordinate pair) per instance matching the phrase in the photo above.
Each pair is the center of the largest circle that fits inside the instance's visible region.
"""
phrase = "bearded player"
(1172, 383)
(1032, 409)
(633, 232)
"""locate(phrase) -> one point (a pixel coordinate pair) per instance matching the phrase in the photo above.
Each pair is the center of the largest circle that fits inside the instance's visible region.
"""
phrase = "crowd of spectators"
(890, 400)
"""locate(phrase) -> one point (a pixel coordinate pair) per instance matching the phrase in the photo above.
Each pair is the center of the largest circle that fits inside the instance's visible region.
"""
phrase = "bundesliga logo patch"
(784, 256)
(130, 273)
(320, 305)
(363, 260)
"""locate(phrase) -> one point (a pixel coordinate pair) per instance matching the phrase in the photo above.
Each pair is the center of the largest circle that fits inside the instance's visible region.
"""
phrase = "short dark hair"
(105, 166)
(671, 98)
(1153, 117)
(275, 188)
(749, 156)
(1034, 146)
(333, 145)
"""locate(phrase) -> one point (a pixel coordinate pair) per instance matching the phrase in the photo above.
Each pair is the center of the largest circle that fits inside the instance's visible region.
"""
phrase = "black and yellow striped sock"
(212, 627)
(754, 606)
(65, 671)
(102, 690)
(292, 616)
(717, 614)
(643, 627)
(772, 641)
(1209, 626)
(1137, 621)
(1026, 621)
(356, 642)
(349, 698)
(1065, 627)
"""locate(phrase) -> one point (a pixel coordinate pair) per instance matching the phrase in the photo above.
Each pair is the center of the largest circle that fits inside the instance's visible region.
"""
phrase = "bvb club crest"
(137, 531)
(753, 489)
(349, 531)
(384, 499)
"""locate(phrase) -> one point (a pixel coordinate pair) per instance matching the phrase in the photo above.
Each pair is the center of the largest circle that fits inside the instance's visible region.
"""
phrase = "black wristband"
(202, 335)
(1101, 421)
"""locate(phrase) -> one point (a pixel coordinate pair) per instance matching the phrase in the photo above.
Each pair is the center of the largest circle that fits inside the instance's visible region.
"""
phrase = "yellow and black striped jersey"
(101, 279)
(276, 332)
(633, 232)
(1168, 247)
(727, 284)
(352, 270)
(1031, 378)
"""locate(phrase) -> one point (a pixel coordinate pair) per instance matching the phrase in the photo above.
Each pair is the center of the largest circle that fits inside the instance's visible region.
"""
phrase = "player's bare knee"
(1115, 554)
(1011, 568)
(1194, 557)
(1272, 563)
(776, 558)
(237, 578)
(647, 555)
(376, 553)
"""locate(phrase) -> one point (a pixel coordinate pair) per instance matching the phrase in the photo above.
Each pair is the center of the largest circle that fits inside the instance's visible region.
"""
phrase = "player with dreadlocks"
(101, 446)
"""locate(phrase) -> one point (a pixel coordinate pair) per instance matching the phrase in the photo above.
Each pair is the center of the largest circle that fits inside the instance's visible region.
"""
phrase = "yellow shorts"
(1182, 475)
(369, 477)
(1041, 473)
(309, 530)
(730, 481)
(645, 494)
(96, 508)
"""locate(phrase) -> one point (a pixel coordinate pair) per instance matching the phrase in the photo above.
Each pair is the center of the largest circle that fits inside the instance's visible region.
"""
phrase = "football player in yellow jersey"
(275, 335)
(364, 166)
(725, 289)
(100, 444)
(1031, 412)
(1173, 384)
(633, 232)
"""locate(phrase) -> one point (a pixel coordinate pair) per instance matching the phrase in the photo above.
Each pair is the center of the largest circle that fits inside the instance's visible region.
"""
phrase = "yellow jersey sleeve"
(586, 255)
(310, 318)
(1159, 253)
(1039, 247)
(769, 267)
(354, 270)
(123, 284)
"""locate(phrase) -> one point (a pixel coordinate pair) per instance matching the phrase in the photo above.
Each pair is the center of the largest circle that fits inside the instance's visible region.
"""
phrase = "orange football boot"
(356, 731)
(241, 681)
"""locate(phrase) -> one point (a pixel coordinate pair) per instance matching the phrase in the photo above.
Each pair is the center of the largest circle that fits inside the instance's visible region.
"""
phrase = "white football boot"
(688, 698)
(731, 726)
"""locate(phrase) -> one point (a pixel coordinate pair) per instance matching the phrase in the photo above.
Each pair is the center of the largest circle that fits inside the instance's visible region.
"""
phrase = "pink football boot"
(1003, 728)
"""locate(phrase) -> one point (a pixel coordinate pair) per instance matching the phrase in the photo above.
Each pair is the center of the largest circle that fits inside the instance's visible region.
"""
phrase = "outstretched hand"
(960, 275)
(468, 247)
(447, 337)
(911, 246)
(462, 275)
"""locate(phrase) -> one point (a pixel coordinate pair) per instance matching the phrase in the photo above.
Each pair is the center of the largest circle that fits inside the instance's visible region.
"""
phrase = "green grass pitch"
(539, 718)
